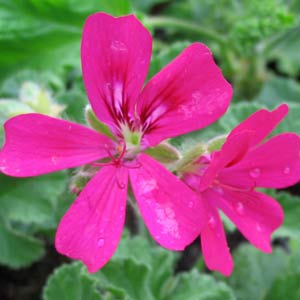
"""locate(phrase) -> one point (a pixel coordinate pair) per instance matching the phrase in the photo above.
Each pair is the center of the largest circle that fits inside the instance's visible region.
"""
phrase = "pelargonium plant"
(227, 180)
(188, 94)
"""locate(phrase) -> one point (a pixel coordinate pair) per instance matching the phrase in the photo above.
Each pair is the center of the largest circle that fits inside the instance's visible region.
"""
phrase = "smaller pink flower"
(188, 94)
(226, 180)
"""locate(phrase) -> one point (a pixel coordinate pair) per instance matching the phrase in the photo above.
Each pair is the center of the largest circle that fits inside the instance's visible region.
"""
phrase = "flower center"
(132, 140)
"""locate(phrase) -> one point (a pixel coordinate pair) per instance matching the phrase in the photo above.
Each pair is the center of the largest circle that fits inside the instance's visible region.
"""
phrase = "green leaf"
(70, 282)
(285, 49)
(11, 108)
(159, 261)
(237, 113)
(10, 87)
(48, 32)
(18, 250)
(165, 56)
(115, 7)
(279, 90)
(291, 123)
(146, 5)
(285, 286)
(291, 206)
(187, 141)
(196, 286)
(254, 272)
(75, 101)
(31, 200)
(126, 277)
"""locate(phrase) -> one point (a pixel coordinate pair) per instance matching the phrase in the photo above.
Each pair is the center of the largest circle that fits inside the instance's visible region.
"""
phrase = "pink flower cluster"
(188, 94)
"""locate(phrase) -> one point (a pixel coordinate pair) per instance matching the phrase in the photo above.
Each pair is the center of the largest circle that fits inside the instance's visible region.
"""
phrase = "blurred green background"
(257, 46)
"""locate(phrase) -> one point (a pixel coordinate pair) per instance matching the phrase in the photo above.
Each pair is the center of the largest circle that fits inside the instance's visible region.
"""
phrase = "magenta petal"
(36, 144)
(274, 164)
(262, 123)
(115, 54)
(214, 246)
(188, 94)
(91, 228)
(255, 214)
(173, 213)
(235, 147)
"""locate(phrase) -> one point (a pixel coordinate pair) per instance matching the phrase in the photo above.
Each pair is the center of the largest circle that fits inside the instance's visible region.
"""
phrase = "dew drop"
(212, 222)
(258, 227)
(219, 190)
(121, 185)
(191, 204)
(287, 170)
(118, 46)
(169, 212)
(255, 173)
(100, 242)
(239, 207)
(54, 160)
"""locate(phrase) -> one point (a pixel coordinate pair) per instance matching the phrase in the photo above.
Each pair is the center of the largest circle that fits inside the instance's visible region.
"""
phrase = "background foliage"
(256, 43)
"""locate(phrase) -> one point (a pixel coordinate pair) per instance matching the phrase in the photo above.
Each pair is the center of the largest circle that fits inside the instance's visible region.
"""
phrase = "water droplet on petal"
(219, 190)
(258, 227)
(287, 170)
(121, 185)
(239, 207)
(100, 242)
(255, 173)
(118, 46)
(212, 222)
(54, 160)
(191, 204)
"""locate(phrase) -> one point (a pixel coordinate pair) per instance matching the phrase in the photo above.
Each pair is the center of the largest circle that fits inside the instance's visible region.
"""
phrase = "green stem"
(185, 26)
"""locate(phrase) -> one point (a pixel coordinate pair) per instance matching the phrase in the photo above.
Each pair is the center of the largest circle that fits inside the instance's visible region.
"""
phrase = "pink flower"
(186, 95)
(227, 179)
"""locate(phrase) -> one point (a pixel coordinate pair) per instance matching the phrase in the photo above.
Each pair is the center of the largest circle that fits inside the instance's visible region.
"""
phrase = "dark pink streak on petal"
(262, 123)
(37, 144)
(92, 227)
(173, 213)
(255, 214)
(274, 164)
(188, 94)
(233, 150)
(214, 246)
(115, 54)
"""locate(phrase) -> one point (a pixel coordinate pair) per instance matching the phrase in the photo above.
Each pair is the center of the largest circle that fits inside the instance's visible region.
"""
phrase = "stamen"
(114, 161)
(111, 156)
(122, 153)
